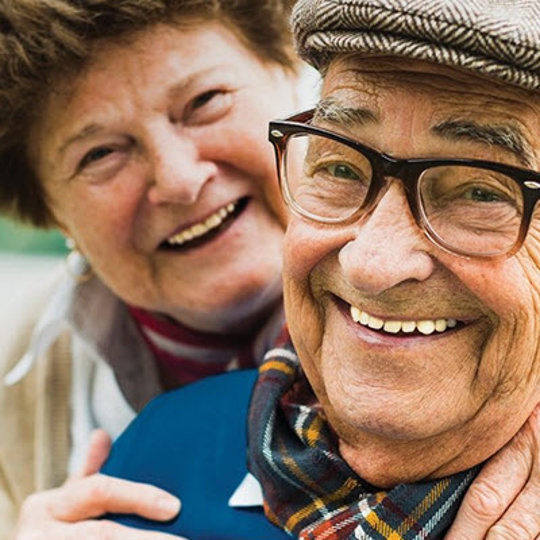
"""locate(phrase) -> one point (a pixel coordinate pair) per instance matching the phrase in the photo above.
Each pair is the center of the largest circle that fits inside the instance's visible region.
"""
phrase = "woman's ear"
(71, 243)
(62, 227)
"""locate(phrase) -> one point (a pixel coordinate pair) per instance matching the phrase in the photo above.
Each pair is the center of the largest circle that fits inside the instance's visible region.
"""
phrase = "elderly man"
(412, 290)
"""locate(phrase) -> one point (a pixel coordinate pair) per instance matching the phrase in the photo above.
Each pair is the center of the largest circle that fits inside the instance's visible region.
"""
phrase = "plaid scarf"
(310, 491)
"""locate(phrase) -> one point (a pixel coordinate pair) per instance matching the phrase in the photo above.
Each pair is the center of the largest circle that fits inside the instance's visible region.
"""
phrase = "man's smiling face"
(462, 372)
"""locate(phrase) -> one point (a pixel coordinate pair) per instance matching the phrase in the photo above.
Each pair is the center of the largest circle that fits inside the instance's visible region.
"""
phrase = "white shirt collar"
(67, 308)
(248, 493)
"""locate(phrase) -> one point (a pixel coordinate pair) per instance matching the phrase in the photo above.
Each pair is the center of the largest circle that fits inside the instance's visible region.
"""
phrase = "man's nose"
(179, 171)
(388, 247)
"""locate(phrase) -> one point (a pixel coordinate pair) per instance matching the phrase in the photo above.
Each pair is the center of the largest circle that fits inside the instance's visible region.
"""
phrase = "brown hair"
(42, 40)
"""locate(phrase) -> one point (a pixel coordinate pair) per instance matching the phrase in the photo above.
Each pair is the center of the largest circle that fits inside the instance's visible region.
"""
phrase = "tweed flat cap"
(496, 38)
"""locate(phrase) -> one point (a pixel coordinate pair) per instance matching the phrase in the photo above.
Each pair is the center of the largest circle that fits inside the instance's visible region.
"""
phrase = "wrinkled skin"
(64, 513)
(407, 408)
(158, 134)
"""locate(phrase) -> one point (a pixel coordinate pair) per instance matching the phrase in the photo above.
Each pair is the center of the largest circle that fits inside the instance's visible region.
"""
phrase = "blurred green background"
(26, 256)
(18, 238)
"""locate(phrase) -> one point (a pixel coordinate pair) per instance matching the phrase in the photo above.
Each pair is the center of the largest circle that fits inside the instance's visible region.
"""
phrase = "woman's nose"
(179, 172)
(388, 247)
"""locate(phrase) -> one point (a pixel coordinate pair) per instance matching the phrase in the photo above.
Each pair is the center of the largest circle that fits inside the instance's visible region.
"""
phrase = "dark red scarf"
(184, 355)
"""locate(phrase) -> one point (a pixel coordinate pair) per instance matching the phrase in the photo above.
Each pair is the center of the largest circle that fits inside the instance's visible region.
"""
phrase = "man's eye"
(478, 194)
(342, 170)
(94, 155)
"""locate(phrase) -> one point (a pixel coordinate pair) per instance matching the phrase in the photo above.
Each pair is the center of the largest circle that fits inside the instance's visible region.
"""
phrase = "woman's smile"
(206, 231)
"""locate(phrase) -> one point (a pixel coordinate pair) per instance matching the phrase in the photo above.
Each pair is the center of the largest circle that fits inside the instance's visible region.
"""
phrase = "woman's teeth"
(200, 229)
(426, 327)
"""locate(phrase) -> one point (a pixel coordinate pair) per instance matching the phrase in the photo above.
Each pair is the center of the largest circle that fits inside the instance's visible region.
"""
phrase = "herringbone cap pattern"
(496, 38)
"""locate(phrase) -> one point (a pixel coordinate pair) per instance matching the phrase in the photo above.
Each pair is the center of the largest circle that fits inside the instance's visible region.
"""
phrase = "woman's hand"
(503, 503)
(66, 513)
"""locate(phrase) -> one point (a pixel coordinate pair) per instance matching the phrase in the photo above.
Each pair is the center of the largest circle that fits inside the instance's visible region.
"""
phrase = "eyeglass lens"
(468, 209)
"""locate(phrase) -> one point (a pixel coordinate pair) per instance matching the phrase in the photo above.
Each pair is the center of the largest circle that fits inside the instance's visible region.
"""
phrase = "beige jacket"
(88, 327)
(34, 421)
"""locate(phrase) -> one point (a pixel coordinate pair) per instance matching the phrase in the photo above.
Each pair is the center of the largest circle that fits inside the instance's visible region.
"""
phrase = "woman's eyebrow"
(87, 131)
(187, 80)
(504, 136)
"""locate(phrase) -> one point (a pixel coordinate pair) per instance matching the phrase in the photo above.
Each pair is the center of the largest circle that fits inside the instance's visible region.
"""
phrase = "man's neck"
(386, 466)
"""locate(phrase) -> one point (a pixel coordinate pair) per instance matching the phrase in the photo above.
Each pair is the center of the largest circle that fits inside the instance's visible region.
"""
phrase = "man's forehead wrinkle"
(509, 138)
(389, 72)
(335, 112)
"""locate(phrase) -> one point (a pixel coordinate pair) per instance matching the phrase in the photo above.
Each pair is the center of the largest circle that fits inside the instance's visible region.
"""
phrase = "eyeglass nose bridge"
(385, 167)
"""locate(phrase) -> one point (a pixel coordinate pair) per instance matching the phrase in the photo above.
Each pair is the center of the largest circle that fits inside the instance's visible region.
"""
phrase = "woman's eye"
(103, 162)
(203, 99)
(207, 107)
(94, 155)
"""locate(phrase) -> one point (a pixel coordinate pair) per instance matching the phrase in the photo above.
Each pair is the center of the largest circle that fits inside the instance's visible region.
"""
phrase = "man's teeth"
(425, 327)
(200, 229)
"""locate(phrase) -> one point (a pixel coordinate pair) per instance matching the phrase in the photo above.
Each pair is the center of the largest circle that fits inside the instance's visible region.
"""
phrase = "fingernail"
(169, 506)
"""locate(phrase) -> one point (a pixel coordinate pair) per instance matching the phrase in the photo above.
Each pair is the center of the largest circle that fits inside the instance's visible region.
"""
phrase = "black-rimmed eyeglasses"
(468, 207)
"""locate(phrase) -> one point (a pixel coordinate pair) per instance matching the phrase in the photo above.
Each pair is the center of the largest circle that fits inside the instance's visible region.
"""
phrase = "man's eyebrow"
(334, 112)
(503, 136)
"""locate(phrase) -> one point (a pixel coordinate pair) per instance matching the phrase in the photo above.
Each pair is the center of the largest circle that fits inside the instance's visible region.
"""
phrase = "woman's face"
(155, 161)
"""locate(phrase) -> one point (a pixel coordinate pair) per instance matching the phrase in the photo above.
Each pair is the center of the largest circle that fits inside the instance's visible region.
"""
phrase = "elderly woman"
(138, 128)
(412, 291)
